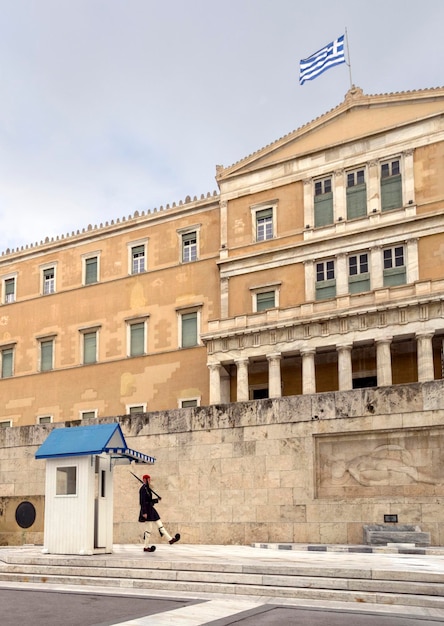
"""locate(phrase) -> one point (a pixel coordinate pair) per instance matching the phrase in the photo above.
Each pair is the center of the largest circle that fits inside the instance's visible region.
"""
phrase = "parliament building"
(317, 266)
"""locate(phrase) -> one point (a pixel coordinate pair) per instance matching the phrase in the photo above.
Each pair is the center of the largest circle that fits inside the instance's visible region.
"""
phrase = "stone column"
(308, 371)
(339, 197)
(425, 356)
(274, 376)
(383, 362)
(345, 366)
(341, 275)
(242, 380)
(373, 191)
(214, 383)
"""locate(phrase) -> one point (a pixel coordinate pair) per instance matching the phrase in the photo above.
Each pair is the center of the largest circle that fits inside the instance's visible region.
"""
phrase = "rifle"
(141, 481)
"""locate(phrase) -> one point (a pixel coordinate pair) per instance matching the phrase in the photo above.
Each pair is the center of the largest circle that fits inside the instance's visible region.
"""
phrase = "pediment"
(358, 116)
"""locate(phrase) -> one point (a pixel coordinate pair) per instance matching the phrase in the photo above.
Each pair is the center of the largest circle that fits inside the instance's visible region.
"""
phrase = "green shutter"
(359, 283)
(356, 201)
(395, 276)
(137, 332)
(323, 209)
(265, 301)
(391, 193)
(7, 361)
(90, 347)
(189, 330)
(91, 271)
(46, 348)
(326, 289)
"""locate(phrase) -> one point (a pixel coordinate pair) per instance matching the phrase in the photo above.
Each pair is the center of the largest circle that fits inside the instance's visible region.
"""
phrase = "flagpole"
(348, 56)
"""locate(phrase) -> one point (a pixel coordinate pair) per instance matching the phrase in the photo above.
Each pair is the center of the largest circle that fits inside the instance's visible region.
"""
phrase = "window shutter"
(137, 332)
(189, 330)
(46, 348)
(265, 300)
(90, 347)
(91, 271)
(323, 207)
(7, 360)
(326, 289)
(356, 201)
(391, 193)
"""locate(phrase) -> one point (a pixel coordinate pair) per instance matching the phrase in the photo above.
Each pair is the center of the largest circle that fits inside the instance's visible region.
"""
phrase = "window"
(391, 185)
(89, 347)
(188, 403)
(323, 202)
(46, 355)
(66, 481)
(9, 290)
(325, 280)
(137, 339)
(91, 270)
(7, 355)
(136, 409)
(189, 247)
(5, 424)
(48, 280)
(264, 224)
(88, 415)
(44, 419)
(138, 259)
(358, 274)
(188, 329)
(356, 194)
(394, 266)
(265, 300)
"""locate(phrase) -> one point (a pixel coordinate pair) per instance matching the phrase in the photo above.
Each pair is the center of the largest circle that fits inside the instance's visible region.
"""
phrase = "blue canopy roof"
(88, 440)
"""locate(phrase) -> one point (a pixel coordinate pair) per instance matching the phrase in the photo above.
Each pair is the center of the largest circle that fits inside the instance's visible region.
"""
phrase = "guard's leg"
(146, 538)
(164, 533)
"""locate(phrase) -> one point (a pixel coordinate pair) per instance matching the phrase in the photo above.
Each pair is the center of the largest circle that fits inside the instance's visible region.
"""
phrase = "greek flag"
(329, 56)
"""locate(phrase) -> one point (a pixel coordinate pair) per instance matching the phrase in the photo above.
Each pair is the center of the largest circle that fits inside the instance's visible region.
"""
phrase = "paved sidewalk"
(211, 607)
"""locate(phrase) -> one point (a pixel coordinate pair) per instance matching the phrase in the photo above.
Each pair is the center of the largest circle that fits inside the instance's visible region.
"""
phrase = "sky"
(108, 107)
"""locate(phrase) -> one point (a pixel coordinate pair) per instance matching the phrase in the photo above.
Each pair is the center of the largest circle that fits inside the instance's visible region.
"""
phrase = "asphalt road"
(67, 608)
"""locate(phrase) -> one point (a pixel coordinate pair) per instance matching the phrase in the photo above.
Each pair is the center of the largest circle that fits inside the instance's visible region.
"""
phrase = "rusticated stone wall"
(296, 469)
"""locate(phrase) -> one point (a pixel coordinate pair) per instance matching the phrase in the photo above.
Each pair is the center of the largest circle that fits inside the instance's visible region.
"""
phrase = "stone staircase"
(270, 578)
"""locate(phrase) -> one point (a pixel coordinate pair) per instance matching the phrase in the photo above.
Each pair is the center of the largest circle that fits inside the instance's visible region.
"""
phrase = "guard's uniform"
(148, 514)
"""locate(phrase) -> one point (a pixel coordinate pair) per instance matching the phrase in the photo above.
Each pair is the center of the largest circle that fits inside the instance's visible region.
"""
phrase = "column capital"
(274, 356)
(344, 346)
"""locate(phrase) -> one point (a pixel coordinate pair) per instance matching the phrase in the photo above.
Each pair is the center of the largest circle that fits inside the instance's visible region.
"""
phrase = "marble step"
(354, 589)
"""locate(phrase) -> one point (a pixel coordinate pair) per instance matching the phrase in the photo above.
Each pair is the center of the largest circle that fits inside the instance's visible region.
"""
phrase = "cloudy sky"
(113, 106)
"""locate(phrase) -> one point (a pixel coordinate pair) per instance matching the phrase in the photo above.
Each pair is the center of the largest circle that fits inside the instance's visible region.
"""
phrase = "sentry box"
(79, 486)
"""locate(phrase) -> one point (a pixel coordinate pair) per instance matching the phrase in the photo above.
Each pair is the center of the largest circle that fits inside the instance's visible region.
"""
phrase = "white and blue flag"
(329, 56)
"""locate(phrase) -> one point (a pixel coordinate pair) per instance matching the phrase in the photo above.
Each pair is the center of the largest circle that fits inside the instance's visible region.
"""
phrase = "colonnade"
(345, 373)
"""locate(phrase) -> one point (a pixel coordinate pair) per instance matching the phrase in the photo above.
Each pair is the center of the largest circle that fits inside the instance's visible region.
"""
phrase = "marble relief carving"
(380, 464)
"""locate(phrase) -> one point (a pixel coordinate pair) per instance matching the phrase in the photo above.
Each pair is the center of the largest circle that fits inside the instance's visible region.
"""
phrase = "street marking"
(196, 614)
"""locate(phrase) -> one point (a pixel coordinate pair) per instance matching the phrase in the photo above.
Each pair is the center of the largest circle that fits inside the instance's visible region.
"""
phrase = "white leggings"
(162, 531)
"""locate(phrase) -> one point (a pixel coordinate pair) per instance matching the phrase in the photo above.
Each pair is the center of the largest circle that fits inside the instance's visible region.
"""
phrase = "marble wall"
(295, 469)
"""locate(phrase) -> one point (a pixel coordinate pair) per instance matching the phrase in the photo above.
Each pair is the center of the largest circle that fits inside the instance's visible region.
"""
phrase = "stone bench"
(382, 534)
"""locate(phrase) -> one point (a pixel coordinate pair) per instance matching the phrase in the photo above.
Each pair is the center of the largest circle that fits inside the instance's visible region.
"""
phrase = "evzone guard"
(148, 514)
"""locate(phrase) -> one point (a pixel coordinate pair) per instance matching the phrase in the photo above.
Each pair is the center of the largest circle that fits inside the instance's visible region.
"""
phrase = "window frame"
(48, 419)
(46, 340)
(83, 333)
(130, 408)
(69, 481)
(83, 414)
(181, 313)
(323, 202)
(132, 270)
(88, 257)
(7, 279)
(130, 324)
(195, 399)
(326, 283)
(3, 350)
(360, 278)
(256, 209)
(394, 179)
(355, 192)
(182, 234)
(395, 274)
(48, 286)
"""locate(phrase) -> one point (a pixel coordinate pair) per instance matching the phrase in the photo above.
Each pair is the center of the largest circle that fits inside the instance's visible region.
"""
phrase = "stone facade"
(311, 468)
